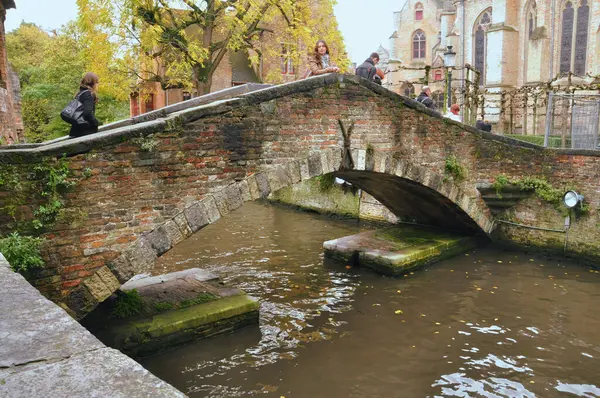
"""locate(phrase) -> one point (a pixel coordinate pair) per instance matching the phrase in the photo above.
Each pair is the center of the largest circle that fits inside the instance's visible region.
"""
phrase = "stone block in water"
(152, 314)
(397, 250)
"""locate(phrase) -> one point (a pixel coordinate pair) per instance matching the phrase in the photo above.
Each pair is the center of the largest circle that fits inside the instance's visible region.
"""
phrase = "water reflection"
(489, 323)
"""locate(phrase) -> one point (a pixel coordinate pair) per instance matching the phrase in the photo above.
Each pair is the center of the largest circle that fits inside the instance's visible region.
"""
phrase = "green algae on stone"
(397, 250)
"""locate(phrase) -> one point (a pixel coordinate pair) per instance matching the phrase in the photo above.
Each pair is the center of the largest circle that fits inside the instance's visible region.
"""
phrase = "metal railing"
(573, 121)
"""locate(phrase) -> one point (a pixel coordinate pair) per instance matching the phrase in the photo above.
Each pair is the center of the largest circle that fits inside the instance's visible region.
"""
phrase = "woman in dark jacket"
(88, 96)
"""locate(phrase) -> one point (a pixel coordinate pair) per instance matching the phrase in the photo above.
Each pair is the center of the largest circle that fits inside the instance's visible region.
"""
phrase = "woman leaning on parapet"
(88, 96)
(319, 62)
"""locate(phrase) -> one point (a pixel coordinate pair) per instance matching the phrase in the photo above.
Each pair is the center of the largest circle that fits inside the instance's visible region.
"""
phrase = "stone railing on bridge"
(140, 189)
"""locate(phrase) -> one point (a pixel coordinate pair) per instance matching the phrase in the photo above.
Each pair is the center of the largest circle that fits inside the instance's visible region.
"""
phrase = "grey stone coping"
(192, 110)
(45, 352)
(199, 274)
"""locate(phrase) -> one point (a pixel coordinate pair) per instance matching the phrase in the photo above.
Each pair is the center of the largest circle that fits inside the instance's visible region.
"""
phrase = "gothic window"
(481, 43)
(419, 43)
(581, 38)
(418, 12)
(532, 18)
(574, 37)
(437, 76)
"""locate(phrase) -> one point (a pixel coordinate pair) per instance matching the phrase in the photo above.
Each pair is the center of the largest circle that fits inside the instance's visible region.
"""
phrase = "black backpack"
(73, 112)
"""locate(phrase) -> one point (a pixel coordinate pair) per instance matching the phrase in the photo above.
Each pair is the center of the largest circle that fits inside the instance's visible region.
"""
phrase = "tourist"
(425, 98)
(88, 96)
(369, 70)
(319, 62)
(484, 125)
(454, 113)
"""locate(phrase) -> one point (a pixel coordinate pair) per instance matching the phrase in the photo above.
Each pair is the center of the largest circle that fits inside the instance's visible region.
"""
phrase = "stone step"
(140, 282)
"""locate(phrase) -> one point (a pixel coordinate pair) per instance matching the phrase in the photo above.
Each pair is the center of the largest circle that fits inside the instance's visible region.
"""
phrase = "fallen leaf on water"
(399, 291)
(532, 260)
(423, 315)
(436, 332)
(499, 261)
(397, 312)
(437, 323)
(479, 288)
(376, 305)
(467, 254)
(451, 270)
(348, 267)
(495, 287)
(532, 382)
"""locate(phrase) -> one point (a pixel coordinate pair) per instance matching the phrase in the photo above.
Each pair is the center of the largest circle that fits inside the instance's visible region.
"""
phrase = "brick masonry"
(141, 189)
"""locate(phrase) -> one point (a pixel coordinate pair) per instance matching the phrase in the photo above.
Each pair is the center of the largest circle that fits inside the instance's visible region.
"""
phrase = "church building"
(513, 43)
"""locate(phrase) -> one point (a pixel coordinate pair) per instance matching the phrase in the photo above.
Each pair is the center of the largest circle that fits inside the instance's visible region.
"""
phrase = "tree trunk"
(204, 87)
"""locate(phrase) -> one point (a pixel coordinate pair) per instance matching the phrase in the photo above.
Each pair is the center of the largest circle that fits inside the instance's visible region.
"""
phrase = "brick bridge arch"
(147, 183)
(408, 190)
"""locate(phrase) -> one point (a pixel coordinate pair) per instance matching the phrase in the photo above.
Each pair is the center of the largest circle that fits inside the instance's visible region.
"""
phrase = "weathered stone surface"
(196, 217)
(46, 353)
(173, 232)
(253, 187)
(159, 240)
(103, 372)
(397, 250)
(315, 167)
(197, 273)
(209, 204)
(141, 256)
(262, 180)
(146, 335)
(244, 191)
(102, 284)
(33, 328)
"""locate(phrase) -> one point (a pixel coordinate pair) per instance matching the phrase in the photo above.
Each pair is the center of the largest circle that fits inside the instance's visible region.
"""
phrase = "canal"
(486, 323)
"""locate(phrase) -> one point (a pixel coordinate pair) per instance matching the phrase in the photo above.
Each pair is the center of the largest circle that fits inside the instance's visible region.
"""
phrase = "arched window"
(437, 75)
(480, 42)
(418, 12)
(419, 44)
(574, 35)
(532, 18)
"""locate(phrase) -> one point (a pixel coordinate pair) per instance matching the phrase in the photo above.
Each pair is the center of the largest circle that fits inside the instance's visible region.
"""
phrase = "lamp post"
(449, 62)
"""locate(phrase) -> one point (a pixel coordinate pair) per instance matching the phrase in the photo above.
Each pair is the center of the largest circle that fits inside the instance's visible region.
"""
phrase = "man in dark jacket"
(368, 70)
(425, 98)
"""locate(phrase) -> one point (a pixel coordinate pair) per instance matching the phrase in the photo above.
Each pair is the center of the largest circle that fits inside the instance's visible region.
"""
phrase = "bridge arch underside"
(412, 201)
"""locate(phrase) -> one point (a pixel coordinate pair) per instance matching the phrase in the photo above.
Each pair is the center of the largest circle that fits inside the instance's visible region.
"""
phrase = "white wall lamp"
(571, 199)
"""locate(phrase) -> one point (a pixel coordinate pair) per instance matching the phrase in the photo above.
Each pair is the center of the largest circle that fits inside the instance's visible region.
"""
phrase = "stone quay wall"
(141, 189)
(46, 353)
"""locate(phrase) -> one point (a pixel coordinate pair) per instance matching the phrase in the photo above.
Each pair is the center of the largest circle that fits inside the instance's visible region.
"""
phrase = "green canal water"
(488, 323)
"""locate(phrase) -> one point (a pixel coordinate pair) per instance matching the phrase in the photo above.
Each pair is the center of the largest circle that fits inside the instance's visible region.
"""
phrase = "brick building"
(235, 68)
(11, 126)
(514, 43)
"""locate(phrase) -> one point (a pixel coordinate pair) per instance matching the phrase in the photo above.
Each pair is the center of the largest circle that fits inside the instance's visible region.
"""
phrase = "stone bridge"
(142, 186)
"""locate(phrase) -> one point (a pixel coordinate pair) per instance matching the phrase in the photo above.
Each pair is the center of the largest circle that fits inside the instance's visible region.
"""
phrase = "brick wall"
(146, 177)
(10, 124)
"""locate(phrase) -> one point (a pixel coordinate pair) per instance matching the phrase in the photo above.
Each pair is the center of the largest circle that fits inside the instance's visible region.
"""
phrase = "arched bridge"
(144, 185)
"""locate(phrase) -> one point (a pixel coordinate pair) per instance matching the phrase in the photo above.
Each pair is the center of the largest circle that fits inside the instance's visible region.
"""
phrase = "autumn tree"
(176, 42)
(50, 66)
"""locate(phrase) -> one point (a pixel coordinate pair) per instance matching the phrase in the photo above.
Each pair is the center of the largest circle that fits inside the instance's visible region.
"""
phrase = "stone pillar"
(502, 57)
(8, 129)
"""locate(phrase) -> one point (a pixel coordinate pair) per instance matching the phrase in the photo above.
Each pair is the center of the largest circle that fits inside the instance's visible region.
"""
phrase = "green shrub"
(128, 304)
(554, 142)
(22, 252)
(454, 168)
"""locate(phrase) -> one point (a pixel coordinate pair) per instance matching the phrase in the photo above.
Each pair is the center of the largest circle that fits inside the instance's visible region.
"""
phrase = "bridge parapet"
(141, 189)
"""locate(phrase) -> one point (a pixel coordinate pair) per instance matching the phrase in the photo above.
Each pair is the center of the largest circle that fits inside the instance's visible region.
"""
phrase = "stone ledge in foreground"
(46, 353)
(397, 250)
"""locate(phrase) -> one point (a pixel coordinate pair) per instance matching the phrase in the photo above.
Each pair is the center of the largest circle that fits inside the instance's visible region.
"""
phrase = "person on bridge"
(425, 98)
(319, 62)
(454, 113)
(484, 125)
(369, 70)
(88, 96)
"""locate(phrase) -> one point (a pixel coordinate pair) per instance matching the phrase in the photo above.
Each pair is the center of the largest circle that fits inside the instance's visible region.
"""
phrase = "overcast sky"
(363, 25)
